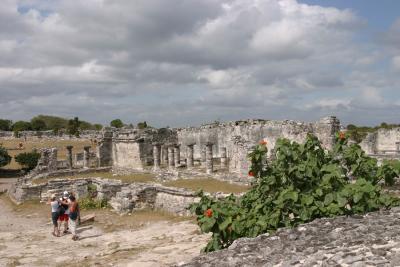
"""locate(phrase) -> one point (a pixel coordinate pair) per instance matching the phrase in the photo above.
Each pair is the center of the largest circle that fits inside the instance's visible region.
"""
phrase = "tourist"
(73, 216)
(54, 214)
(64, 201)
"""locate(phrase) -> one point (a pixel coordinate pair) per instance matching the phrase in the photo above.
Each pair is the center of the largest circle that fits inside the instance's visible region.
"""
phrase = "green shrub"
(88, 203)
(4, 157)
(303, 183)
(28, 160)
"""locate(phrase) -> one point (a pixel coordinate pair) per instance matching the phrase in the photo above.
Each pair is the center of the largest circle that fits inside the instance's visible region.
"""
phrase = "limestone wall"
(382, 141)
(240, 136)
(105, 188)
(133, 148)
(155, 196)
(128, 155)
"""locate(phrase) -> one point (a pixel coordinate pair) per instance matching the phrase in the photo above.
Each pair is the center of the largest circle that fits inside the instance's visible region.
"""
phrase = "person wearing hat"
(64, 201)
(54, 214)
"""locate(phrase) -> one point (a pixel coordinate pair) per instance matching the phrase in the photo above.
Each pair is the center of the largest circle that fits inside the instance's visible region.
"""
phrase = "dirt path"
(25, 240)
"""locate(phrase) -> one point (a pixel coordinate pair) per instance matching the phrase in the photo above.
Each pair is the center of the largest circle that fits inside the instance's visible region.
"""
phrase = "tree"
(28, 160)
(98, 126)
(142, 125)
(73, 127)
(38, 124)
(21, 126)
(4, 157)
(5, 125)
(117, 123)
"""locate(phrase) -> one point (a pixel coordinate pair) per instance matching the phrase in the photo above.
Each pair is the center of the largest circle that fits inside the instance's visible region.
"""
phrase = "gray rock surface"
(370, 240)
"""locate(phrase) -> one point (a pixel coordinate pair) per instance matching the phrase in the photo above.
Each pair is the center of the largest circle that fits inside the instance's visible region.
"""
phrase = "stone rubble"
(369, 240)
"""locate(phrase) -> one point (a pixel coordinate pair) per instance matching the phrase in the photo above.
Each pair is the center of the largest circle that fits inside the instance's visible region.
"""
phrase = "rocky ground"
(149, 239)
(370, 240)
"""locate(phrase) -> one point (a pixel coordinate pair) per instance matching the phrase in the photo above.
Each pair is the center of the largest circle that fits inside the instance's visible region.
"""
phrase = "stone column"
(156, 156)
(171, 160)
(189, 156)
(164, 156)
(69, 157)
(86, 156)
(53, 159)
(177, 154)
(223, 157)
(203, 156)
(209, 158)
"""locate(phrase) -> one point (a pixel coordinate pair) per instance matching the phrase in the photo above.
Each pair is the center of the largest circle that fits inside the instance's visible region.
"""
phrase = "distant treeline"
(358, 133)
(59, 124)
(46, 123)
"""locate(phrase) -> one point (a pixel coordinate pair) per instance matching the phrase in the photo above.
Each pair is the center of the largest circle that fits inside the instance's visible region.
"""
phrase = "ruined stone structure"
(210, 148)
(218, 150)
(383, 144)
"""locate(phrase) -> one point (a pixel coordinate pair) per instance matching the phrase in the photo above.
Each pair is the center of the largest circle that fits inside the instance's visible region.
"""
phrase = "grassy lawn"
(208, 185)
(13, 147)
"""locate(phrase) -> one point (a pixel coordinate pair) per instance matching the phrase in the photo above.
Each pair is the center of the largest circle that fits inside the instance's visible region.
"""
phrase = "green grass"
(208, 185)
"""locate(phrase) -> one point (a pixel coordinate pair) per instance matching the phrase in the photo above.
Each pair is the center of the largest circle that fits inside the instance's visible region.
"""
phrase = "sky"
(179, 63)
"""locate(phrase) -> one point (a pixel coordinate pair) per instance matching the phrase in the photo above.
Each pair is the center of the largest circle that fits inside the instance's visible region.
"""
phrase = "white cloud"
(260, 58)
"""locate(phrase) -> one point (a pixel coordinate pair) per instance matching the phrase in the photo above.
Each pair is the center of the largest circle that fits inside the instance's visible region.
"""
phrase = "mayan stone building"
(224, 145)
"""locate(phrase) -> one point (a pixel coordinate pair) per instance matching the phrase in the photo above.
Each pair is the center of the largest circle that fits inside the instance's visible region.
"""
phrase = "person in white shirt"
(54, 214)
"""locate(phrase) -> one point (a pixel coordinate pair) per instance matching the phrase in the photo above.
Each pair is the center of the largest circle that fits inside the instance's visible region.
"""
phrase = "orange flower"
(208, 213)
(342, 136)
(263, 142)
(251, 173)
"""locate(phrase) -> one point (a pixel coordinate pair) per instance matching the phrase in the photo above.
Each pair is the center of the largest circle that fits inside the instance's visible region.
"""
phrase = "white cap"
(65, 193)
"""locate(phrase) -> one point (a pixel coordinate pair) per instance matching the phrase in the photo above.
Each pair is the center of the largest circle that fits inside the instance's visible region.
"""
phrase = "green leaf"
(225, 224)
(357, 197)
(328, 199)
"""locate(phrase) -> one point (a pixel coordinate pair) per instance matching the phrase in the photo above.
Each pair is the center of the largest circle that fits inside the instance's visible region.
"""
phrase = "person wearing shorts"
(64, 217)
(73, 215)
(54, 214)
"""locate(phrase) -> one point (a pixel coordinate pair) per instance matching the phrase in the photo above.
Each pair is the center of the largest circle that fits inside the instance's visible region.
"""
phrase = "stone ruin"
(383, 144)
(217, 150)
(213, 149)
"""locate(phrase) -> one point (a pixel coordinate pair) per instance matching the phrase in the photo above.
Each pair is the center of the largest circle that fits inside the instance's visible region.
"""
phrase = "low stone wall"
(106, 188)
(155, 196)
(65, 172)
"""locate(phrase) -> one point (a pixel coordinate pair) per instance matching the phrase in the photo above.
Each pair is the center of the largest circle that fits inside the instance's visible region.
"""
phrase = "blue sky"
(181, 63)
(380, 14)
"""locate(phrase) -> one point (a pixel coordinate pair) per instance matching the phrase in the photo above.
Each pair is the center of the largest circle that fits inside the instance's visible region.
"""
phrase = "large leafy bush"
(28, 160)
(302, 183)
(4, 157)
